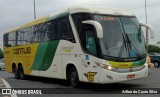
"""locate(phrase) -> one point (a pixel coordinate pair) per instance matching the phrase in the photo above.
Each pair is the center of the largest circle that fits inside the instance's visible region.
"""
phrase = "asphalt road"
(60, 88)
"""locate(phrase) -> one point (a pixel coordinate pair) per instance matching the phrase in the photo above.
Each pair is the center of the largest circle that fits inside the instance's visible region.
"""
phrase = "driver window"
(90, 39)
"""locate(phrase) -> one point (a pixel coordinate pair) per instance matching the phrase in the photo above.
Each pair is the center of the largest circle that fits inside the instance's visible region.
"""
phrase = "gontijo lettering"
(18, 51)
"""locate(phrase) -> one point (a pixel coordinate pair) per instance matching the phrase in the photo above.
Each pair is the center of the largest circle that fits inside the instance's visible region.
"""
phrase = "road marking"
(8, 86)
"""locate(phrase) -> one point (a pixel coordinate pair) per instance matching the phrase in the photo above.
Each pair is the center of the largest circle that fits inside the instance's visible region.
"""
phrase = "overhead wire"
(151, 4)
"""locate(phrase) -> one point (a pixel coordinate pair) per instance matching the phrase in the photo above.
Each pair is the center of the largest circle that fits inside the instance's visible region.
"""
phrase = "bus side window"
(18, 38)
(11, 39)
(90, 39)
(69, 34)
(5, 39)
(64, 29)
(52, 30)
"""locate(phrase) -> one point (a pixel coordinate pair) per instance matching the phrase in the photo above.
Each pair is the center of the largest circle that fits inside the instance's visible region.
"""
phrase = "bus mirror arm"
(97, 25)
(150, 28)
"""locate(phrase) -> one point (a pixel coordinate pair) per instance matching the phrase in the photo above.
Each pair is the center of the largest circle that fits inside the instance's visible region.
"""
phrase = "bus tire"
(73, 78)
(156, 64)
(15, 72)
(21, 72)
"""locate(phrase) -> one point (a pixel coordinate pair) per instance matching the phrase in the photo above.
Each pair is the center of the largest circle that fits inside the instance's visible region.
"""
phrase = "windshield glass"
(122, 37)
(134, 34)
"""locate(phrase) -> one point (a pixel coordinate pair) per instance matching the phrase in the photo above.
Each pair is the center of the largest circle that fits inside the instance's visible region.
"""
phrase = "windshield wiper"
(123, 44)
(129, 44)
(128, 41)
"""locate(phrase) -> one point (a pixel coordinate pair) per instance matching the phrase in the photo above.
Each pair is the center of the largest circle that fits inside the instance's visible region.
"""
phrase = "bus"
(80, 44)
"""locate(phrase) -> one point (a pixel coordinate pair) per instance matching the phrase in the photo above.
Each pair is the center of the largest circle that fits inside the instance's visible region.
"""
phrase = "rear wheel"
(74, 80)
(156, 64)
(15, 72)
(21, 73)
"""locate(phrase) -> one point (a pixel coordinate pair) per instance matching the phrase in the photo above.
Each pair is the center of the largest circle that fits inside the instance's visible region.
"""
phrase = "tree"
(153, 49)
(1, 53)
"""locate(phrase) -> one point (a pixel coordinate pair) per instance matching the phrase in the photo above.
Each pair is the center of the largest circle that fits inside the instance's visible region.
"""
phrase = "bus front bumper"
(107, 76)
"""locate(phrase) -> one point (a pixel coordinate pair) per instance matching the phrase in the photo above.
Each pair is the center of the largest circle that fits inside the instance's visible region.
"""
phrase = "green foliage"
(153, 49)
(1, 53)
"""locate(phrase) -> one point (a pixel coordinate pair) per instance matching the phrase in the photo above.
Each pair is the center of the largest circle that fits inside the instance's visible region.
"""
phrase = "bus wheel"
(74, 80)
(21, 73)
(15, 72)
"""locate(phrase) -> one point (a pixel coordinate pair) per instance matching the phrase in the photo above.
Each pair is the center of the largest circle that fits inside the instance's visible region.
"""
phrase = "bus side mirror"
(150, 28)
(97, 25)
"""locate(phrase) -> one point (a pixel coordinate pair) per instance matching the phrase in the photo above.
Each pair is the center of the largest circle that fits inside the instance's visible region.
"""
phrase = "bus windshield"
(122, 37)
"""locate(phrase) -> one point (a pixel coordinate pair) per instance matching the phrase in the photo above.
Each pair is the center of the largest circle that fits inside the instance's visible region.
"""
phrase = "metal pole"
(147, 36)
(146, 11)
(34, 9)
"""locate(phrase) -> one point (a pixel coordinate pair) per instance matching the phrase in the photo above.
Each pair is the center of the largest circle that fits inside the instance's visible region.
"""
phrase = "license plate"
(130, 76)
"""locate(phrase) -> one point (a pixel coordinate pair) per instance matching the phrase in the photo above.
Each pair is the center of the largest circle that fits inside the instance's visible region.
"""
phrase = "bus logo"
(90, 76)
(18, 51)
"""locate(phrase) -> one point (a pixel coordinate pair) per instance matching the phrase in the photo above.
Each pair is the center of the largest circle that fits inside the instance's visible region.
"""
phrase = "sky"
(14, 13)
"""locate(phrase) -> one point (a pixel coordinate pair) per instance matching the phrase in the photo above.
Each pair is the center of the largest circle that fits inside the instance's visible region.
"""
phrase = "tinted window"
(52, 30)
(11, 39)
(5, 39)
(78, 18)
(55, 29)
(64, 30)
(90, 39)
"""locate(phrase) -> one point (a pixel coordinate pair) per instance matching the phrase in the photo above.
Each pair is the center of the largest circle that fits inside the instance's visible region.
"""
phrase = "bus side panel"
(55, 70)
(8, 58)
(23, 55)
(30, 59)
(49, 62)
(71, 54)
(8, 64)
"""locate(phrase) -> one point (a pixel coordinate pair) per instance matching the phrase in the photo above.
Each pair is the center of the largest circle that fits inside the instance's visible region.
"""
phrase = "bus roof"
(72, 10)
(100, 10)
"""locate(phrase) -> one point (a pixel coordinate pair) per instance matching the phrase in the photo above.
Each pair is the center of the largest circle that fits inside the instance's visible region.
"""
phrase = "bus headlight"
(110, 68)
(104, 66)
(146, 64)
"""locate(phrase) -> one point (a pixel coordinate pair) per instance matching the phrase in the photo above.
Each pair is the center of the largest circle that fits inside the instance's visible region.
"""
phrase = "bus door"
(88, 60)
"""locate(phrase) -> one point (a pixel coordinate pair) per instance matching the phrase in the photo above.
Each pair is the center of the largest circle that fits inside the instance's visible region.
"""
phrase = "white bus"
(87, 44)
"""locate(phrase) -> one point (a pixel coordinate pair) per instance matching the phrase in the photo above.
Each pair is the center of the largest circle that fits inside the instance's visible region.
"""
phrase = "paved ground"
(60, 88)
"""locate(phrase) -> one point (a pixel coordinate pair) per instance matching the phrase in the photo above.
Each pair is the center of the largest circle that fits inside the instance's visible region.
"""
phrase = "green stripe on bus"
(139, 63)
(44, 55)
(49, 55)
(39, 55)
(57, 16)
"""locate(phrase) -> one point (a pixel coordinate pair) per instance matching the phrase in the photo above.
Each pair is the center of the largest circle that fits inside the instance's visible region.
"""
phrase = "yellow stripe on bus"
(121, 64)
